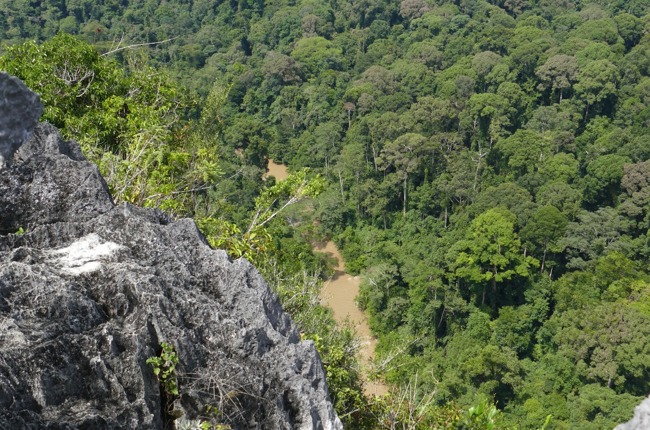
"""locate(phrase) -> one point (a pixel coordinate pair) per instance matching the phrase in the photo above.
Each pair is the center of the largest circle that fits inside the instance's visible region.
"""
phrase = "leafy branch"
(294, 189)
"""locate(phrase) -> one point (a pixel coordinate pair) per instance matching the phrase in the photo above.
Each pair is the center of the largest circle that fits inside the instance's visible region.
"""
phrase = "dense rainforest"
(484, 166)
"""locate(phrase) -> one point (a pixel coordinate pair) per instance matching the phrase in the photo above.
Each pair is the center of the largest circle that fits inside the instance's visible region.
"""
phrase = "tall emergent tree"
(492, 253)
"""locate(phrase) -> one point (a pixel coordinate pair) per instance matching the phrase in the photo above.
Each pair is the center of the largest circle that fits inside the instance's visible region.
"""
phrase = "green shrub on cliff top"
(130, 121)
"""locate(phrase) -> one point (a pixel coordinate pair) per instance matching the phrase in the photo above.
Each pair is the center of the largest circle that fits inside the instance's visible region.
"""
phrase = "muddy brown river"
(279, 171)
(339, 293)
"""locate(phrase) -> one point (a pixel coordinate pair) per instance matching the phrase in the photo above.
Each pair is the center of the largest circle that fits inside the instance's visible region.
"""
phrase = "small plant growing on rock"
(185, 424)
(209, 425)
(164, 367)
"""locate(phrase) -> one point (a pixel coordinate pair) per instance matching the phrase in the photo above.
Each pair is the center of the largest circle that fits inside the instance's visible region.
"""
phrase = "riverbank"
(339, 293)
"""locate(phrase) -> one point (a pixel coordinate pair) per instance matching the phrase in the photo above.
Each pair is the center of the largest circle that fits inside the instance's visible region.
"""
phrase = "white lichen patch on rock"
(10, 333)
(85, 255)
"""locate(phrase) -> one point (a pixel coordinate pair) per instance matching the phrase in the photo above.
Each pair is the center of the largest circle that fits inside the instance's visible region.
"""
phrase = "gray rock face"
(52, 187)
(20, 110)
(641, 419)
(91, 289)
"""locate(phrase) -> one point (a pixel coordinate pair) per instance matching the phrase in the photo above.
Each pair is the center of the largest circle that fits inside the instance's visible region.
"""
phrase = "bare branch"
(136, 45)
(119, 43)
(73, 75)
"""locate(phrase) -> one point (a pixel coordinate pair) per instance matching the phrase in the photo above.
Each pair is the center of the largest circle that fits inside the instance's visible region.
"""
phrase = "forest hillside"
(484, 166)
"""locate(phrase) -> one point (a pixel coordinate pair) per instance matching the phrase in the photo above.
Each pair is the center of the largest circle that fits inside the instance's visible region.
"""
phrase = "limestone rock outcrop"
(21, 110)
(89, 290)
